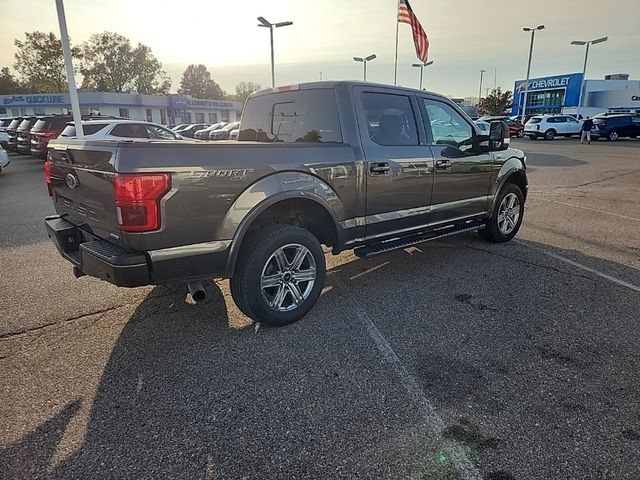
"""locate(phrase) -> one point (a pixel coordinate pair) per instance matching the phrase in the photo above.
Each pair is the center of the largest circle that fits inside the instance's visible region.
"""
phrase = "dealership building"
(561, 94)
(163, 109)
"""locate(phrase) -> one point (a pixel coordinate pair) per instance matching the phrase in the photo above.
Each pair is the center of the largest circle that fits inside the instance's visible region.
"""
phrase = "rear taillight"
(47, 134)
(47, 178)
(538, 127)
(137, 200)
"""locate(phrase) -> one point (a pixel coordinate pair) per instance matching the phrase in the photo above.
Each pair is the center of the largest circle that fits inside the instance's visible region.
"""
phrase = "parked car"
(180, 126)
(192, 129)
(223, 133)
(50, 126)
(204, 133)
(483, 126)
(552, 126)
(4, 123)
(4, 139)
(12, 132)
(233, 134)
(359, 170)
(119, 130)
(23, 141)
(4, 158)
(613, 127)
(516, 129)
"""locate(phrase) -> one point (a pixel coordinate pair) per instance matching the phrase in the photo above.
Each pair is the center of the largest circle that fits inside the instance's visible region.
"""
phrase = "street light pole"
(482, 70)
(421, 66)
(584, 68)
(364, 61)
(526, 83)
(271, 26)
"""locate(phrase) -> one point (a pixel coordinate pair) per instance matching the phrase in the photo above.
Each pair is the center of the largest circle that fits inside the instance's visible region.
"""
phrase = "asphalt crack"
(532, 264)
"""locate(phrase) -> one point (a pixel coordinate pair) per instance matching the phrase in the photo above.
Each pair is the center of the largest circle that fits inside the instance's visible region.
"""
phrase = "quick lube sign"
(47, 99)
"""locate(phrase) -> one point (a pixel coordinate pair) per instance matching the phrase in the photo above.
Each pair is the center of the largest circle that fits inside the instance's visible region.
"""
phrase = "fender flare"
(513, 166)
(274, 189)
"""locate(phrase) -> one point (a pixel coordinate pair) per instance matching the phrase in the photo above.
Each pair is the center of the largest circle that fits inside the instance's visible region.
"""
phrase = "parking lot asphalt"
(456, 360)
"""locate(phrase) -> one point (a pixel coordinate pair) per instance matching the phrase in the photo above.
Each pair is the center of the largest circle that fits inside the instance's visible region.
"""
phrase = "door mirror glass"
(498, 136)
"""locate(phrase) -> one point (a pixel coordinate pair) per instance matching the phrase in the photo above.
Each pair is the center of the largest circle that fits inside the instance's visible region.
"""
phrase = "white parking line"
(592, 209)
(372, 269)
(455, 452)
(582, 267)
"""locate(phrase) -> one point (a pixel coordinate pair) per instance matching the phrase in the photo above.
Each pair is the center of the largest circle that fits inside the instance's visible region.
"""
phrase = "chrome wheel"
(288, 277)
(508, 213)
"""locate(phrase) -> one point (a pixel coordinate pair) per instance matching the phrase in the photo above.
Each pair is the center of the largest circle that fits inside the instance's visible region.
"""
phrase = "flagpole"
(395, 68)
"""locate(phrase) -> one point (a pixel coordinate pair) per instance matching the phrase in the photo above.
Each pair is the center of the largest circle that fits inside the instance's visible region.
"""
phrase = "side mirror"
(498, 136)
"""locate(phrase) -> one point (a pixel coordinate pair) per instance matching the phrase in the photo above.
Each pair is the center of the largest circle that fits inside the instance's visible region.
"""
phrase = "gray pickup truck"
(350, 165)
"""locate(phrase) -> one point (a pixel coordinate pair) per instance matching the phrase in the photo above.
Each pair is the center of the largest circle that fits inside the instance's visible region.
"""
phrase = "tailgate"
(82, 184)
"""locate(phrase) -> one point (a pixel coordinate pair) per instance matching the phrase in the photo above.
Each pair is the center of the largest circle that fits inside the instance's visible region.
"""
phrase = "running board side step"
(401, 243)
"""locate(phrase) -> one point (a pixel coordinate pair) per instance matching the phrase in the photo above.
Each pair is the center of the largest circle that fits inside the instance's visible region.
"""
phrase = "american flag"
(420, 39)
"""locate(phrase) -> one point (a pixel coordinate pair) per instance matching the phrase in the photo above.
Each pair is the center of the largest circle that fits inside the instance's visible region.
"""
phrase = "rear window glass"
(14, 124)
(25, 124)
(5, 122)
(298, 116)
(535, 120)
(50, 123)
(70, 130)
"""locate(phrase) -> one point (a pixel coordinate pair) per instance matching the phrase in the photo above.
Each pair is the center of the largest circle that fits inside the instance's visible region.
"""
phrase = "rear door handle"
(379, 168)
(443, 164)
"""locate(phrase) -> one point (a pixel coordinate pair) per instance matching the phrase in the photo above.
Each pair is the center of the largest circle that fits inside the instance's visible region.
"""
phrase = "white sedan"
(110, 129)
(4, 158)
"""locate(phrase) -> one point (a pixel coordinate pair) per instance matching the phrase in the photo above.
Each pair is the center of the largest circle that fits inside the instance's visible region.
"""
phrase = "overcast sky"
(465, 35)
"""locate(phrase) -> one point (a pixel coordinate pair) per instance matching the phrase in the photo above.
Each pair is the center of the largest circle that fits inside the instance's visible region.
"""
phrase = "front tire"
(613, 136)
(279, 275)
(520, 133)
(506, 218)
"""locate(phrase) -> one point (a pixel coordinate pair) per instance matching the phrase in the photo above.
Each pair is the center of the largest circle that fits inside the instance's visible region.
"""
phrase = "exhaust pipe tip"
(197, 291)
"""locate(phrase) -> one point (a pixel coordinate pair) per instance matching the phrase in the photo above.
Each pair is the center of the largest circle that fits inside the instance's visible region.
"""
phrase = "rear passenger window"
(129, 130)
(296, 116)
(390, 119)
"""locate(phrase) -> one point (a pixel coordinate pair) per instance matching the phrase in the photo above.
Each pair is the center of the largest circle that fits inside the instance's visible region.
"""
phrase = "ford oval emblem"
(72, 181)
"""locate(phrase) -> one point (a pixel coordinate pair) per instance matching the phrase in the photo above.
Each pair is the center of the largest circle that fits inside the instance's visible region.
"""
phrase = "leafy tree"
(111, 64)
(497, 102)
(8, 83)
(243, 89)
(197, 82)
(40, 62)
(150, 77)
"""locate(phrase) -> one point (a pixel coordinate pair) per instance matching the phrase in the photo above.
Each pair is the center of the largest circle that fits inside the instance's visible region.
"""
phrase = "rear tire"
(532, 137)
(279, 274)
(550, 134)
(506, 218)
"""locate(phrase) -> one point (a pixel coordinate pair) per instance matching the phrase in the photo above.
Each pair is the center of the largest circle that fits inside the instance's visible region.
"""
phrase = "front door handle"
(443, 164)
(379, 168)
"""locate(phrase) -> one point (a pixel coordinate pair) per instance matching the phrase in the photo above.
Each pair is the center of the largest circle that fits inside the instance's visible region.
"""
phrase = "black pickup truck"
(350, 165)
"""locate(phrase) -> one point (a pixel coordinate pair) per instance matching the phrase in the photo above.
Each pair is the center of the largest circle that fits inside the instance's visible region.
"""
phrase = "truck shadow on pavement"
(184, 396)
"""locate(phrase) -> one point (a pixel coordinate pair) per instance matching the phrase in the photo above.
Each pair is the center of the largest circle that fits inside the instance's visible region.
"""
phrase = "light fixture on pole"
(364, 61)
(271, 26)
(584, 68)
(421, 66)
(526, 83)
(482, 71)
